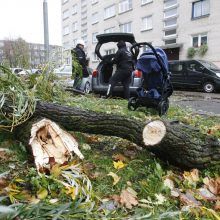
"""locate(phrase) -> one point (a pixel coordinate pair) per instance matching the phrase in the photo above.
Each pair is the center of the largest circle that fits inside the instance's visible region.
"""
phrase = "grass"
(143, 172)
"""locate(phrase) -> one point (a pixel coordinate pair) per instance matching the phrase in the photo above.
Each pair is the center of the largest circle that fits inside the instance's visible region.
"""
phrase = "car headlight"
(218, 74)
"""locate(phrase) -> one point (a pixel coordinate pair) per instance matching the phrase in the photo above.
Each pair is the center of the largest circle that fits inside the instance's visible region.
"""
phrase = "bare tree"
(16, 53)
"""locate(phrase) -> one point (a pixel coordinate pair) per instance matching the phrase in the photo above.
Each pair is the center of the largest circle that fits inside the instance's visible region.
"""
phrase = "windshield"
(209, 65)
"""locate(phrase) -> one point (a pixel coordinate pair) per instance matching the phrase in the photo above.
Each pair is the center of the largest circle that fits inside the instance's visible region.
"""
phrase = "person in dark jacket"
(79, 64)
(124, 63)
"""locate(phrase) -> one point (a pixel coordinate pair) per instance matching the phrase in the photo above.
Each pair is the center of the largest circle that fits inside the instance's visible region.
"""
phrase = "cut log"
(174, 142)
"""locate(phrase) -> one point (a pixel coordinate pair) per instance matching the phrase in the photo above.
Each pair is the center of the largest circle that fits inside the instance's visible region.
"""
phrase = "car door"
(178, 74)
(194, 73)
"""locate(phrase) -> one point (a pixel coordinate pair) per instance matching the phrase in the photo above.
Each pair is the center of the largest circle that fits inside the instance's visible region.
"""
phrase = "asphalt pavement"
(203, 103)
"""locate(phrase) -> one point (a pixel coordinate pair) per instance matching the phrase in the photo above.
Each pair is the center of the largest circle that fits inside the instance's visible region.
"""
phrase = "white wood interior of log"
(154, 132)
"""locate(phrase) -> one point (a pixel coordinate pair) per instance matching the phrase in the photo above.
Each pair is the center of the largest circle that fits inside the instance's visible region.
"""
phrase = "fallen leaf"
(55, 170)
(168, 183)
(128, 199)
(119, 165)
(213, 185)
(160, 199)
(115, 177)
(119, 157)
(188, 199)
(3, 183)
(42, 193)
(192, 176)
(217, 206)
(130, 153)
(206, 194)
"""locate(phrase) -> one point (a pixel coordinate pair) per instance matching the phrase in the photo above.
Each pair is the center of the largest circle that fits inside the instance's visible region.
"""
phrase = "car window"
(194, 66)
(176, 67)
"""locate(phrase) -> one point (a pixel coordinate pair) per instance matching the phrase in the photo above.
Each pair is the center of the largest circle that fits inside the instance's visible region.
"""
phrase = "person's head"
(121, 44)
(80, 43)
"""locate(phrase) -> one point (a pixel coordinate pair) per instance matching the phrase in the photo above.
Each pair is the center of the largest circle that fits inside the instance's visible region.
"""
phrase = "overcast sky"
(24, 18)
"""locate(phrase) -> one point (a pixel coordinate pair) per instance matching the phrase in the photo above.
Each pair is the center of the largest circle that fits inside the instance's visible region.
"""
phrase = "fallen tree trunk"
(177, 143)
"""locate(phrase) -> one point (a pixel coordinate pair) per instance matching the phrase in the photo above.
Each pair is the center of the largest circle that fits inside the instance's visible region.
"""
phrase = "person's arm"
(117, 57)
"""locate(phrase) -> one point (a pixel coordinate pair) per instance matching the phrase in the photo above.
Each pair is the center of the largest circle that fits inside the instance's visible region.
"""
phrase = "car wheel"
(208, 87)
(87, 88)
(132, 104)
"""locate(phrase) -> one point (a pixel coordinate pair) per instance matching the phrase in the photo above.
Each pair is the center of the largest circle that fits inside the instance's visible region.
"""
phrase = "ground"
(127, 181)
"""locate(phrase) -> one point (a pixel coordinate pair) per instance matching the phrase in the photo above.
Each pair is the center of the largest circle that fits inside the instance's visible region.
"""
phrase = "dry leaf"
(192, 176)
(217, 206)
(188, 199)
(213, 185)
(128, 199)
(115, 177)
(119, 165)
(42, 193)
(119, 157)
(168, 183)
(130, 153)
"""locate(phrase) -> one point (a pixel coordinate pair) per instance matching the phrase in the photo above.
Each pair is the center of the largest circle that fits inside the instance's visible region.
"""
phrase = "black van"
(198, 74)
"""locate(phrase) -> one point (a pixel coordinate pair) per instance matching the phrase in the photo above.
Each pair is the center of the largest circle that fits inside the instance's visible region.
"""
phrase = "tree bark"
(178, 143)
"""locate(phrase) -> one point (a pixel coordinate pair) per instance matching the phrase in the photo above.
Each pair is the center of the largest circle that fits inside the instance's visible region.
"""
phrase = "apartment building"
(37, 54)
(183, 28)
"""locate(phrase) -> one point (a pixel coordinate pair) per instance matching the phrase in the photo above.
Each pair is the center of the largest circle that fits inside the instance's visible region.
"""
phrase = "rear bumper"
(118, 89)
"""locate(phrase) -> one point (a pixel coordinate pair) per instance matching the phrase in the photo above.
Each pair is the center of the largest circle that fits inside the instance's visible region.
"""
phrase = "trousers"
(123, 76)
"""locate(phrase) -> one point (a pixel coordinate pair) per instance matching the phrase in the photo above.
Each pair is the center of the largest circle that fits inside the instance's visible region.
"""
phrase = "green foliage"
(203, 49)
(76, 67)
(16, 98)
(191, 52)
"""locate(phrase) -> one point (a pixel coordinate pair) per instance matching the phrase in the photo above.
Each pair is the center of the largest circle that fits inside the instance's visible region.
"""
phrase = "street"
(204, 103)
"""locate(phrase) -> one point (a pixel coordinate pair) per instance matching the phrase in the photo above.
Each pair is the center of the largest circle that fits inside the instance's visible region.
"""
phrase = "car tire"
(208, 87)
(132, 104)
(87, 88)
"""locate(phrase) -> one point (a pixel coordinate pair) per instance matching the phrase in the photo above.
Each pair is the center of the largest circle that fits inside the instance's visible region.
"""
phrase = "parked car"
(104, 70)
(36, 71)
(65, 73)
(20, 71)
(195, 74)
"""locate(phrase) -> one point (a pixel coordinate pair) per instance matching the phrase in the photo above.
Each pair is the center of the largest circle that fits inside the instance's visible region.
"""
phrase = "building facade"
(183, 28)
(37, 54)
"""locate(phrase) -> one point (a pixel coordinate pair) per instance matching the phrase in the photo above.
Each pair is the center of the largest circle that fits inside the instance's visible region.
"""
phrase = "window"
(109, 11)
(143, 2)
(170, 22)
(74, 42)
(95, 57)
(66, 30)
(74, 9)
(126, 28)
(199, 40)
(110, 51)
(95, 18)
(170, 13)
(66, 14)
(109, 30)
(147, 23)
(84, 38)
(94, 39)
(200, 8)
(172, 41)
(170, 3)
(75, 26)
(125, 5)
(66, 45)
(170, 32)
(173, 67)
